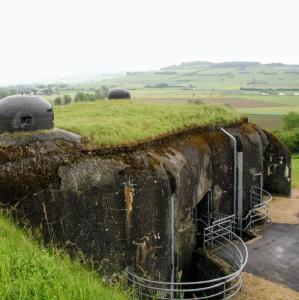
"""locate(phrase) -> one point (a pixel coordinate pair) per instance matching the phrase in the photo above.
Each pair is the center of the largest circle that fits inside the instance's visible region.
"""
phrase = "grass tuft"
(295, 171)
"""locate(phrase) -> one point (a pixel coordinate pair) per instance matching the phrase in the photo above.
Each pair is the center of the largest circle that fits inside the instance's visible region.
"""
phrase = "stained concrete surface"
(275, 256)
(83, 200)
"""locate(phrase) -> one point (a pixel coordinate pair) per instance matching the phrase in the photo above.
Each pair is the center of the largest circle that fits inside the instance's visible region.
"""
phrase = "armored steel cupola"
(25, 113)
(119, 94)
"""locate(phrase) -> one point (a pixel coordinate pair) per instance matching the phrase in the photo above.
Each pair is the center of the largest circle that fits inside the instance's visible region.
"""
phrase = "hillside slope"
(29, 271)
(208, 76)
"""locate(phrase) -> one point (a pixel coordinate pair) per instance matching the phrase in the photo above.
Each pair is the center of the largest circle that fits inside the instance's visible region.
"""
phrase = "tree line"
(98, 94)
(289, 133)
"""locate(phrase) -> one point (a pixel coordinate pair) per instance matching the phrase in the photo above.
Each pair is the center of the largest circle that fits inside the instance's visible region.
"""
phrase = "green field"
(295, 171)
(209, 76)
(281, 100)
(268, 90)
(264, 92)
(106, 123)
(29, 271)
(280, 110)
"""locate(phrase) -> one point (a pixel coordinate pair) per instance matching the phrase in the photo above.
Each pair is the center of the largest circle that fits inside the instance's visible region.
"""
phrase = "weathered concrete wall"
(277, 167)
(250, 144)
(116, 207)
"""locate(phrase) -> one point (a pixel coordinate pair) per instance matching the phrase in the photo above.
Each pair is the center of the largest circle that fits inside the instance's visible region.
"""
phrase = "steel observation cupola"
(119, 94)
(25, 113)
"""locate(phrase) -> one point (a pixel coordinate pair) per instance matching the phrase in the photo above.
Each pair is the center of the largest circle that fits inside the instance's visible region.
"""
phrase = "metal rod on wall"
(235, 166)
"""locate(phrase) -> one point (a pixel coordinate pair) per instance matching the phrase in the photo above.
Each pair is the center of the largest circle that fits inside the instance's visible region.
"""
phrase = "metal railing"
(259, 211)
(259, 204)
(220, 239)
(222, 242)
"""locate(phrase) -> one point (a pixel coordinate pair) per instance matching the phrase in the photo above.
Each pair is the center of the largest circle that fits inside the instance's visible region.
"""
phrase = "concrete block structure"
(137, 207)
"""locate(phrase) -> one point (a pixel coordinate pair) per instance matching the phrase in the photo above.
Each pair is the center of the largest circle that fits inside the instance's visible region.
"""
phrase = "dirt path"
(257, 288)
(284, 210)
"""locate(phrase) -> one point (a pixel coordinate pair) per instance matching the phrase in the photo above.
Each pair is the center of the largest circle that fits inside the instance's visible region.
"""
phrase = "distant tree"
(58, 101)
(67, 99)
(99, 94)
(91, 97)
(290, 138)
(291, 120)
(79, 97)
(48, 91)
(105, 91)
(161, 85)
(3, 94)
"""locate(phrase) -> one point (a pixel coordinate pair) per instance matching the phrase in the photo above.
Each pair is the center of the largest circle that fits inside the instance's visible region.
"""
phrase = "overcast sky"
(46, 39)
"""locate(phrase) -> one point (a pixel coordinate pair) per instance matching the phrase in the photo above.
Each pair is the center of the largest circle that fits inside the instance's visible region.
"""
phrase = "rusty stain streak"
(143, 251)
(128, 192)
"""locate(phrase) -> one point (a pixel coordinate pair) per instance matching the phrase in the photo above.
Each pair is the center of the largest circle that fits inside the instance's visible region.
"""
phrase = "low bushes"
(289, 133)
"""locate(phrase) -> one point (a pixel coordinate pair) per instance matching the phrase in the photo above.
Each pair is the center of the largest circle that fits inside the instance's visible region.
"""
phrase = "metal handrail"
(259, 210)
(259, 200)
(220, 238)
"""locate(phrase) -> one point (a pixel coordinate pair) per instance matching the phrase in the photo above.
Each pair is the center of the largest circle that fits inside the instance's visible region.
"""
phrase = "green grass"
(295, 171)
(29, 271)
(289, 100)
(208, 77)
(120, 122)
(274, 110)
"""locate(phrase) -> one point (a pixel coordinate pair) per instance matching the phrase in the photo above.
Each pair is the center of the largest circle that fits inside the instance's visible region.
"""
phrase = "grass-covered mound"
(29, 271)
(108, 123)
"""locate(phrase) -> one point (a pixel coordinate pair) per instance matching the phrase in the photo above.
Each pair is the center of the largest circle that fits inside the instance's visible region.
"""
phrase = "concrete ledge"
(27, 137)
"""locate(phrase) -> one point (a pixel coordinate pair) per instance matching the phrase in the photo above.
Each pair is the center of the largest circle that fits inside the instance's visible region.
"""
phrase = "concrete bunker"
(119, 93)
(137, 210)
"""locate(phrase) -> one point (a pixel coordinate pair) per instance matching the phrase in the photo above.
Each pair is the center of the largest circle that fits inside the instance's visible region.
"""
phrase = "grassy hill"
(212, 76)
(29, 271)
(263, 92)
(106, 123)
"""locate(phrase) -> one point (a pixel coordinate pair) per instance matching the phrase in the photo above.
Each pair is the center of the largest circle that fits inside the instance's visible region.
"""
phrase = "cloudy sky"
(47, 39)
